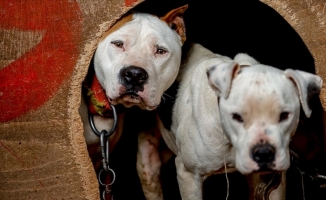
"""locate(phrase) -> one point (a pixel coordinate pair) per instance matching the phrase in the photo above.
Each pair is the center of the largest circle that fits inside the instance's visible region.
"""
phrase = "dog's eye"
(160, 50)
(118, 43)
(237, 117)
(284, 116)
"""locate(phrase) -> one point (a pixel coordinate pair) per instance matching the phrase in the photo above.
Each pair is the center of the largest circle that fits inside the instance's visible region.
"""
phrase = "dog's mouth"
(132, 94)
(131, 98)
(127, 97)
(264, 170)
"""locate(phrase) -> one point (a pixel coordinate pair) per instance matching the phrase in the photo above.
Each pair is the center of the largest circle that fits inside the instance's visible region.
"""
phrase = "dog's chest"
(209, 151)
(214, 160)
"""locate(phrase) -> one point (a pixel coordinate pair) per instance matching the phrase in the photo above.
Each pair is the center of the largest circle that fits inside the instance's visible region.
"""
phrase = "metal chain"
(115, 122)
(105, 150)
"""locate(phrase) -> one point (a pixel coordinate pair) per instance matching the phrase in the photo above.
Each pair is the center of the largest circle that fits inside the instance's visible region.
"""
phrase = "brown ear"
(175, 20)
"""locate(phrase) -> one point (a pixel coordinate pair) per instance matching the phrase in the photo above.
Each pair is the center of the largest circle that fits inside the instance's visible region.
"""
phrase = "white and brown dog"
(135, 63)
(234, 115)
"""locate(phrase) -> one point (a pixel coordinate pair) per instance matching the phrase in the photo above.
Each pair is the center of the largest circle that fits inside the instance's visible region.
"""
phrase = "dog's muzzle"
(133, 79)
(263, 155)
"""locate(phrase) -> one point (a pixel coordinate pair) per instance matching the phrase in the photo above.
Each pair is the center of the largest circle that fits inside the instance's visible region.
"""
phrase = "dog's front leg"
(190, 184)
(149, 165)
(279, 192)
(267, 186)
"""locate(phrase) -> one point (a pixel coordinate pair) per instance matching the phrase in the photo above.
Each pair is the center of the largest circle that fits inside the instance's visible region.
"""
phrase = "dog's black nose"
(263, 154)
(133, 75)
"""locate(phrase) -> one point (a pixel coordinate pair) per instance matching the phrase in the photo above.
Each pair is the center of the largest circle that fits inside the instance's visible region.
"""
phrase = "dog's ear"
(309, 85)
(220, 77)
(245, 60)
(175, 20)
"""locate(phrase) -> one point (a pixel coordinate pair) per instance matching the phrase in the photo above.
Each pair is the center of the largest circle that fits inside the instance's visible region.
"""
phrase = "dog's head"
(259, 108)
(139, 58)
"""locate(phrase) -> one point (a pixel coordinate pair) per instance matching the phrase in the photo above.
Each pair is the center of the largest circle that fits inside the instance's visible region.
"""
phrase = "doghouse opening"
(228, 28)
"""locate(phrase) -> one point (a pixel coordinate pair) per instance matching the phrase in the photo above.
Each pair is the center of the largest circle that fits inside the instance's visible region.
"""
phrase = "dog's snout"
(134, 75)
(263, 154)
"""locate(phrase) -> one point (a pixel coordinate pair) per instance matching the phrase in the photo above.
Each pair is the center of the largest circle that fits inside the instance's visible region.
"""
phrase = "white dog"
(135, 62)
(234, 115)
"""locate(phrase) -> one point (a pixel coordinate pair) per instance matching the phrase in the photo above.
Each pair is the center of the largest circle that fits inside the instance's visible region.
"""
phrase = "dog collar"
(96, 99)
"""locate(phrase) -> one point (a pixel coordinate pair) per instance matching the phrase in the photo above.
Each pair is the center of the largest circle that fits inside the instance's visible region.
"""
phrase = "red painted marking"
(130, 2)
(23, 164)
(34, 78)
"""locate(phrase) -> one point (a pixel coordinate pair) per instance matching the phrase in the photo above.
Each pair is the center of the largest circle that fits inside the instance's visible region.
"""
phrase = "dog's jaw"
(143, 99)
(282, 161)
(245, 165)
(129, 100)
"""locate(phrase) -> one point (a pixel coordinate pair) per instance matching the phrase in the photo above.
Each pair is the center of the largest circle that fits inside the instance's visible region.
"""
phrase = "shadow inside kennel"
(227, 28)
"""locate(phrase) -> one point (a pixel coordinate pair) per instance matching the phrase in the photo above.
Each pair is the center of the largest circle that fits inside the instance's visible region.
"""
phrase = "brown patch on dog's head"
(117, 25)
(175, 20)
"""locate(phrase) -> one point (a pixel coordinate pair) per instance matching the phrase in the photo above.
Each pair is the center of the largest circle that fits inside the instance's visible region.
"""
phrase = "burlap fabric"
(45, 50)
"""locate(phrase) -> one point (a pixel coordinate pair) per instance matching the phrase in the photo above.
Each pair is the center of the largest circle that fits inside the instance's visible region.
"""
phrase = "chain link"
(115, 122)
(105, 150)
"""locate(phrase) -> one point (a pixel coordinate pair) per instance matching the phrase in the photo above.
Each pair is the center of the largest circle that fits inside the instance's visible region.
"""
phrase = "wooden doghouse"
(45, 51)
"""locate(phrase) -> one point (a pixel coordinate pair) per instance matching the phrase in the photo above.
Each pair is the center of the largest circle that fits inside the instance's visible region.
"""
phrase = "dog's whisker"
(168, 96)
(163, 98)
